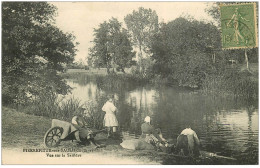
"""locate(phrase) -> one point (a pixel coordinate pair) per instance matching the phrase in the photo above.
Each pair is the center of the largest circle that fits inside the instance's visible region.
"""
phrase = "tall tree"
(142, 25)
(99, 52)
(33, 51)
(112, 46)
(123, 51)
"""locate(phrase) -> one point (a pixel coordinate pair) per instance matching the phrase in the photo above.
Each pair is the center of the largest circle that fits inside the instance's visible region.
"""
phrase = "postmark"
(238, 25)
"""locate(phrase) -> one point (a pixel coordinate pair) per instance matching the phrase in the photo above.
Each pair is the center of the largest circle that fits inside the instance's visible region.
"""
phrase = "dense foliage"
(182, 51)
(33, 51)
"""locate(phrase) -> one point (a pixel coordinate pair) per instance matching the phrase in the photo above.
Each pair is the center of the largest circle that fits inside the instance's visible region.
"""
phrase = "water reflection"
(228, 126)
(84, 93)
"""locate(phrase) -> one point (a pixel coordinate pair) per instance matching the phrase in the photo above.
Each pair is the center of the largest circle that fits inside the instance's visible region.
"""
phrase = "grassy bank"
(21, 130)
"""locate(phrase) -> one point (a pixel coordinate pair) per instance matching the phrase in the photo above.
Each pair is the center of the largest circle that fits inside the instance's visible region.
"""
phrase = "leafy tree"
(182, 51)
(142, 25)
(114, 32)
(33, 51)
(120, 46)
(112, 46)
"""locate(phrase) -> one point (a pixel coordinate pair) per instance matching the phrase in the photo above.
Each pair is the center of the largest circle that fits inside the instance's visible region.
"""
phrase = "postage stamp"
(238, 25)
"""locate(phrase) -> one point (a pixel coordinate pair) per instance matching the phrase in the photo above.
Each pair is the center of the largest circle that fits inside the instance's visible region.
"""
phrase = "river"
(227, 126)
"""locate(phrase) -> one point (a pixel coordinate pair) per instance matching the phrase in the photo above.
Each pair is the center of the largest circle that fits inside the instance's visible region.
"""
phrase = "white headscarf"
(147, 119)
(74, 120)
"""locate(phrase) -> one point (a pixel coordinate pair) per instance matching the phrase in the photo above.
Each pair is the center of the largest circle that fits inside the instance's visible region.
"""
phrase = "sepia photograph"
(129, 83)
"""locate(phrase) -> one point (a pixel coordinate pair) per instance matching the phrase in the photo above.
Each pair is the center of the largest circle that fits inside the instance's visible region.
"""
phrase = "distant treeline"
(183, 52)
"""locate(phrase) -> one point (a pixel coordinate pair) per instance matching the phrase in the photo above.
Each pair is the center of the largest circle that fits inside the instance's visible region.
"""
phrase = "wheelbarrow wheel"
(52, 137)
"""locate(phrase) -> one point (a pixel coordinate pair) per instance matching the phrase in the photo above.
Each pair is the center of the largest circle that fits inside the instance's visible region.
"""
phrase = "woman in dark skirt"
(188, 142)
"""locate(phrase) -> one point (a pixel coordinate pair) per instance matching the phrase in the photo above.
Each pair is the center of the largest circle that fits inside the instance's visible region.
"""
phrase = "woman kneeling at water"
(151, 135)
(188, 142)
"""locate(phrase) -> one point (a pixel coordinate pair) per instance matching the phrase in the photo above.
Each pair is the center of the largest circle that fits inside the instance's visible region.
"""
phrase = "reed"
(93, 116)
(69, 108)
(50, 105)
(46, 104)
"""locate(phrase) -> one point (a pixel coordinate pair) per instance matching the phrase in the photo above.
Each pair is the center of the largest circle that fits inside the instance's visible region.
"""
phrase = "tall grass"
(50, 105)
(69, 108)
(46, 104)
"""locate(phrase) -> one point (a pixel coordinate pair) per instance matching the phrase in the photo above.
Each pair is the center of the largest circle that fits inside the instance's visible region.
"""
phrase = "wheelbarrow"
(65, 131)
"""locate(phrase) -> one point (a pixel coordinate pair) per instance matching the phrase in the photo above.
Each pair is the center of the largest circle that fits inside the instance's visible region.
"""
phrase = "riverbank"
(96, 71)
(234, 80)
(253, 67)
(22, 131)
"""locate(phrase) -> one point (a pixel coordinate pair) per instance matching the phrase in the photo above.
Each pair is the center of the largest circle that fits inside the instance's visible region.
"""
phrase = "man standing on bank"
(110, 120)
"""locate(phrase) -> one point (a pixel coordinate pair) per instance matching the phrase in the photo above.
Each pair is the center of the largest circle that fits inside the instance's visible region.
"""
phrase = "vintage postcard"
(143, 83)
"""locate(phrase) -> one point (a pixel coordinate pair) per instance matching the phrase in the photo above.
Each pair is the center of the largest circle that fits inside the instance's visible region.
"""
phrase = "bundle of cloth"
(137, 144)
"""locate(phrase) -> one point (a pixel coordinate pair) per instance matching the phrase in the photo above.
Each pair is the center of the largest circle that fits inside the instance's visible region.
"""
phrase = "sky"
(80, 18)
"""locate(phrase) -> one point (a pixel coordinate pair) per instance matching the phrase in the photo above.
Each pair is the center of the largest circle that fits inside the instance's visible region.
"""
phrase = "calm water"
(226, 126)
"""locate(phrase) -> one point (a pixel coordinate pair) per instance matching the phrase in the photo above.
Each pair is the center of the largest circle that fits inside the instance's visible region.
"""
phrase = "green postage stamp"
(238, 24)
